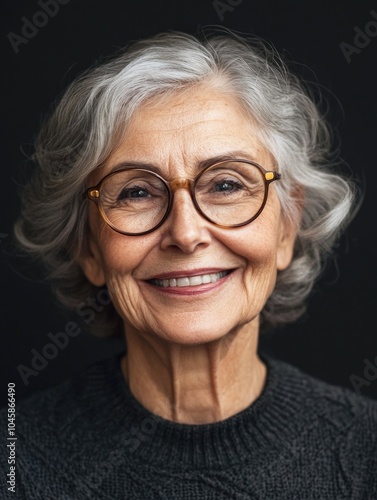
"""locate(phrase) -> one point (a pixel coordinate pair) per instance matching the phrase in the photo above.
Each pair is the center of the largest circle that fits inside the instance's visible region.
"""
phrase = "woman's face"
(175, 136)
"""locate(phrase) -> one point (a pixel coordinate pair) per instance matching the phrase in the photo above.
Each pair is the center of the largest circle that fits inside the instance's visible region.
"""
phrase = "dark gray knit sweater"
(90, 439)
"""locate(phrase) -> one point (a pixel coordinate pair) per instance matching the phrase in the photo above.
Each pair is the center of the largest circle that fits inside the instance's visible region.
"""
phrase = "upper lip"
(189, 272)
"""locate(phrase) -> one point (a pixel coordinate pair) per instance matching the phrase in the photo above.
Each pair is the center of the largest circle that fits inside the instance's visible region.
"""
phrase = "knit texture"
(89, 438)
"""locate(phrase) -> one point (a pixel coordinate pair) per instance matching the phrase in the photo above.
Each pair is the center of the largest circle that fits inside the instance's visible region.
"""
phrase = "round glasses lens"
(134, 201)
(230, 193)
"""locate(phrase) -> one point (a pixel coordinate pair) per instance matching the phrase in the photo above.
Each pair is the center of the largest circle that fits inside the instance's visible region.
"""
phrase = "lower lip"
(191, 290)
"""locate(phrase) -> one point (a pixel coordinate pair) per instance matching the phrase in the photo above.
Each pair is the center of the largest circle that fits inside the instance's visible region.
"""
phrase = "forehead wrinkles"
(180, 122)
(177, 134)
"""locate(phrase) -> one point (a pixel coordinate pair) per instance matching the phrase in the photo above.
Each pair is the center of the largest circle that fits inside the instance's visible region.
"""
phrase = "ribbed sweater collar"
(271, 422)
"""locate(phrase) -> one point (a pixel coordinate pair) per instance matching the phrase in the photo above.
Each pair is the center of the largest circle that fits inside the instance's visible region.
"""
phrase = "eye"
(227, 186)
(136, 192)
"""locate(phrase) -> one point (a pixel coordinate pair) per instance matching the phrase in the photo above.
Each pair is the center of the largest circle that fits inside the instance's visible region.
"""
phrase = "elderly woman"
(190, 180)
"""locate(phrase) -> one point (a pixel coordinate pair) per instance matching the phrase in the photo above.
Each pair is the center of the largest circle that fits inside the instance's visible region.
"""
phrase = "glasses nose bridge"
(180, 183)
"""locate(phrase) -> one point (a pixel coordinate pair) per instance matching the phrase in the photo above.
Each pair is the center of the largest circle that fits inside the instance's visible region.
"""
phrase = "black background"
(338, 332)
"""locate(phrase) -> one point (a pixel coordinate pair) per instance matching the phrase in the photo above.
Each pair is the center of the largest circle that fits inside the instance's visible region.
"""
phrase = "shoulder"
(58, 429)
(68, 401)
(333, 420)
(56, 416)
(334, 404)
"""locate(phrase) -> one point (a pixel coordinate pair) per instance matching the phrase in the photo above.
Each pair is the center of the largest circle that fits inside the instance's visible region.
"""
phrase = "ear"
(92, 264)
(289, 227)
(285, 247)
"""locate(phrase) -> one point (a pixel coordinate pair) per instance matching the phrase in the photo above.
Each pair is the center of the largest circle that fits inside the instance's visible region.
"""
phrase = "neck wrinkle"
(267, 426)
(183, 411)
(199, 384)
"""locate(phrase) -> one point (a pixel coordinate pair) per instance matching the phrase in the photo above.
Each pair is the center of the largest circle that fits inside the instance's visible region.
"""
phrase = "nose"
(184, 228)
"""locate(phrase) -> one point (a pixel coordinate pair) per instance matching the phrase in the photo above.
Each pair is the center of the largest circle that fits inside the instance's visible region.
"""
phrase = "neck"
(195, 384)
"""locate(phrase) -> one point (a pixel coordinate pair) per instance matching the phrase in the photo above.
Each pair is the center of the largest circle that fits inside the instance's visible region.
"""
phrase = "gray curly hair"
(89, 119)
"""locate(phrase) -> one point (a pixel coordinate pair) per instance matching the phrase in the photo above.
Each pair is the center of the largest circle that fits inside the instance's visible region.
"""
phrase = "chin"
(194, 339)
(196, 335)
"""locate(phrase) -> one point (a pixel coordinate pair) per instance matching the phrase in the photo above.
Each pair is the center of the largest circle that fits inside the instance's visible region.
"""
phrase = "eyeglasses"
(136, 201)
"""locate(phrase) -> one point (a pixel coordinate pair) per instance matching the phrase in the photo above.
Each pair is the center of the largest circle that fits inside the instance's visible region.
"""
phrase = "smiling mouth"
(202, 279)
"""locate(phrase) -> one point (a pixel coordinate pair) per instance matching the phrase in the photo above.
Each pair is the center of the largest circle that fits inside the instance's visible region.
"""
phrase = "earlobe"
(92, 266)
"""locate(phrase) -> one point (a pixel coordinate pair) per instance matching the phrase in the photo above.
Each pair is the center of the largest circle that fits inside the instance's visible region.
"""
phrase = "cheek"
(257, 246)
(257, 243)
(122, 255)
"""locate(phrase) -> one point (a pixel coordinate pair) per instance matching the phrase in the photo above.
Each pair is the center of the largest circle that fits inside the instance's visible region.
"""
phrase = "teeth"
(190, 281)
(183, 282)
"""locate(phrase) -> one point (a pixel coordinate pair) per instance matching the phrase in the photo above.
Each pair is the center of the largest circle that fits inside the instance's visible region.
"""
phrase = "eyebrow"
(201, 165)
